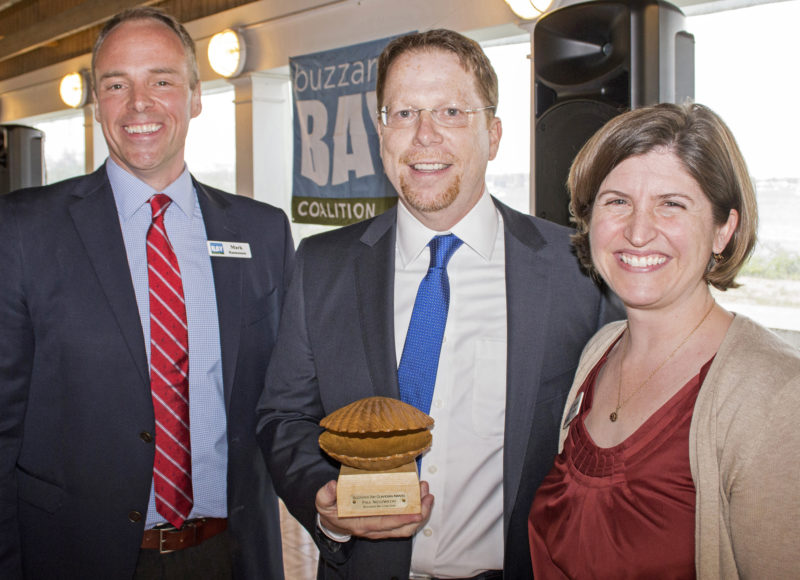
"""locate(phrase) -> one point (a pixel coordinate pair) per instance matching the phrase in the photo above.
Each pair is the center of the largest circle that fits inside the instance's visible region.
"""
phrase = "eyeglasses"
(445, 116)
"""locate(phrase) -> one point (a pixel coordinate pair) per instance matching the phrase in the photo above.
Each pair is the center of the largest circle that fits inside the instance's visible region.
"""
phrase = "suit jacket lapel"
(374, 273)
(94, 214)
(221, 226)
(527, 298)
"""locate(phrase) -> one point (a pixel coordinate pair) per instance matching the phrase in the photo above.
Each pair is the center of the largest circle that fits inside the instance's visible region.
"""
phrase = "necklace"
(615, 413)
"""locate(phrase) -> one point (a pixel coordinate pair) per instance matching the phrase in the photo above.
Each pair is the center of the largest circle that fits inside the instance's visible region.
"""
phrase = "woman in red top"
(664, 207)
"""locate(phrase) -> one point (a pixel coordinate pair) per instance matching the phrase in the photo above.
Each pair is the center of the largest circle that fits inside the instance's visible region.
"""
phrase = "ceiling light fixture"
(226, 53)
(74, 89)
(529, 9)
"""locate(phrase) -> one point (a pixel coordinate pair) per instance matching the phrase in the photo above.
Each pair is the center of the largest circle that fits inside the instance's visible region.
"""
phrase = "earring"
(717, 257)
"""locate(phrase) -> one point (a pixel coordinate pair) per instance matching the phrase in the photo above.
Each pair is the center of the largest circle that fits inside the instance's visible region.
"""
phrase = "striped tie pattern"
(169, 372)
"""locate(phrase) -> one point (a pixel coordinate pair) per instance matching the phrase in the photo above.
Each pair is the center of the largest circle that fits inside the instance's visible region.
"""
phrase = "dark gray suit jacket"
(75, 403)
(336, 345)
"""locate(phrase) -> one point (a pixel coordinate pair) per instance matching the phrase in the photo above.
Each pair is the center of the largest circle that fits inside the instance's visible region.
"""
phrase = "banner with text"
(338, 175)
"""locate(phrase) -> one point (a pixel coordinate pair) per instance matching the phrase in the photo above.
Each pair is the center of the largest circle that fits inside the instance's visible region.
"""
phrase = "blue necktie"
(420, 361)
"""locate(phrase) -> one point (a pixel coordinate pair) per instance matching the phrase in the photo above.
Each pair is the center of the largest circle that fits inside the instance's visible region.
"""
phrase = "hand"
(371, 527)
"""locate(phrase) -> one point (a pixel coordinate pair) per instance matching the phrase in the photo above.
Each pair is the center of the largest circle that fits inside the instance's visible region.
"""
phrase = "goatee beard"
(427, 203)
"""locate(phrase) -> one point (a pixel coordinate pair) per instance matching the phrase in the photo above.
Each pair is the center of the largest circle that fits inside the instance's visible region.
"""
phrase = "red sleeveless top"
(620, 512)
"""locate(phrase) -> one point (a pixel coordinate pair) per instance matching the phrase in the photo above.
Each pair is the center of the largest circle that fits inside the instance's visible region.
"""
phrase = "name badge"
(573, 411)
(229, 249)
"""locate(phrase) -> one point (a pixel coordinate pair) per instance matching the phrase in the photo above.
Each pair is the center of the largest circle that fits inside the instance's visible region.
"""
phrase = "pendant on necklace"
(613, 416)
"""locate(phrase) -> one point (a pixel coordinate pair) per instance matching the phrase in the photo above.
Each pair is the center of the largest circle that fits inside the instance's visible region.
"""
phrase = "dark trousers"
(211, 560)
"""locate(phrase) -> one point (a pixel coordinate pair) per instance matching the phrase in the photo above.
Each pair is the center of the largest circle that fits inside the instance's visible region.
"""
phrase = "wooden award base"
(378, 493)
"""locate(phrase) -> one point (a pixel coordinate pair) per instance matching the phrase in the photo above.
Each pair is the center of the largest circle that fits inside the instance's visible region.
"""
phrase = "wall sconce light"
(529, 9)
(74, 89)
(226, 53)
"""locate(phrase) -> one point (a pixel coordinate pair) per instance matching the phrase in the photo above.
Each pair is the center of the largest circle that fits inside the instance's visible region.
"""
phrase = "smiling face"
(652, 232)
(144, 99)
(437, 171)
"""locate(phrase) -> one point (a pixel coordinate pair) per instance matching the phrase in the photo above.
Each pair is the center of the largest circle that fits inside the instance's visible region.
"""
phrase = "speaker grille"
(570, 125)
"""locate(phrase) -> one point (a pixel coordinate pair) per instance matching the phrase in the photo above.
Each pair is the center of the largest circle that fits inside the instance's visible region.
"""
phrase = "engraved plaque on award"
(377, 440)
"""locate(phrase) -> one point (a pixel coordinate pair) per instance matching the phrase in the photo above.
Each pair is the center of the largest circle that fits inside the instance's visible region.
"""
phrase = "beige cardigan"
(744, 449)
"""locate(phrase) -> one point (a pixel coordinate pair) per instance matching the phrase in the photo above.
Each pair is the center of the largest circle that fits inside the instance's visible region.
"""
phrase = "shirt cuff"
(340, 538)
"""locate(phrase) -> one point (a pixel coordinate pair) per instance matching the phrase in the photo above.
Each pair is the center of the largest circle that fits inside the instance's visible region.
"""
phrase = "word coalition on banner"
(338, 175)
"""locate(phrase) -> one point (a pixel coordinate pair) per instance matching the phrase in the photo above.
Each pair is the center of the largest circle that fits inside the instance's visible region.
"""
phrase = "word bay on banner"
(338, 176)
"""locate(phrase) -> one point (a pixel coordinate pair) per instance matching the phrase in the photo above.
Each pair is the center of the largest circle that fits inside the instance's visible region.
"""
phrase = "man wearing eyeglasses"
(518, 316)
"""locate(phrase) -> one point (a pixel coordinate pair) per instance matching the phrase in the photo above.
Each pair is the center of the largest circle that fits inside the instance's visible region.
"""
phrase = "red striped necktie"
(169, 372)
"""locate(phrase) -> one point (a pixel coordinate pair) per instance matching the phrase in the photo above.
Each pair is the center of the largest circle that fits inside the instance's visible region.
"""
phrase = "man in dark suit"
(80, 429)
(520, 311)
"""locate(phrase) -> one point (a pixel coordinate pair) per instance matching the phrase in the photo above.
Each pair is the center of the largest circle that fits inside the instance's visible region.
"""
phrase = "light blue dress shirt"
(187, 233)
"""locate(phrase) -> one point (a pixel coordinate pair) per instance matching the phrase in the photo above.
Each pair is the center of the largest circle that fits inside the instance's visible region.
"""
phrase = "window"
(64, 149)
(211, 142)
(508, 175)
(745, 71)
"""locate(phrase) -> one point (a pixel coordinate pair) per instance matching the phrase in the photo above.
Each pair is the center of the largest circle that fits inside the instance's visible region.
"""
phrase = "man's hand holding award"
(377, 440)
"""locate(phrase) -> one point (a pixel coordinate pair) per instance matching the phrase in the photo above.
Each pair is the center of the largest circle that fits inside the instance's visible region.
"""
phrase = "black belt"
(193, 533)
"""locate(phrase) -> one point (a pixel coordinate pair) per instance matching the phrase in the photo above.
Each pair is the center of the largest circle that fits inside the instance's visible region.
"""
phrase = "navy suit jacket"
(75, 406)
(336, 345)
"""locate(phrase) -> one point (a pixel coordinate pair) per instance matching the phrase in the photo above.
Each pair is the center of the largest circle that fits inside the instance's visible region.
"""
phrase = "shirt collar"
(477, 229)
(131, 193)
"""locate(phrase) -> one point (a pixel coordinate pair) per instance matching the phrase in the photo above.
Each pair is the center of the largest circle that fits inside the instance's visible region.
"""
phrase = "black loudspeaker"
(21, 157)
(593, 61)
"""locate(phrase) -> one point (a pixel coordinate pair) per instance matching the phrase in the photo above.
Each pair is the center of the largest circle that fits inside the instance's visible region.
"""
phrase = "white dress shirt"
(464, 467)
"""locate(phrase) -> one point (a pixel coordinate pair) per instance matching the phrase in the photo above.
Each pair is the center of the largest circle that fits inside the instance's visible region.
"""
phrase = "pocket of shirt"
(489, 389)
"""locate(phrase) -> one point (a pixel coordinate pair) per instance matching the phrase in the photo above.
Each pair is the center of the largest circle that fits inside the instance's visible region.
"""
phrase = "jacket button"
(146, 437)
(134, 516)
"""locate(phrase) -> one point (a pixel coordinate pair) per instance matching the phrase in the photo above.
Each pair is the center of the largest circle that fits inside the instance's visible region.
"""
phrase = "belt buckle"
(162, 538)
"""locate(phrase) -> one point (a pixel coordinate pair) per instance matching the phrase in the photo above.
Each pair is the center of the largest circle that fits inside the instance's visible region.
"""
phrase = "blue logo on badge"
(216, 248)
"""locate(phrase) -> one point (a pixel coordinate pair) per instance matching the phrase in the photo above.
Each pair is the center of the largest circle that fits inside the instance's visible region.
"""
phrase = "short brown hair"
(708, 152)
(151, 13)
(469, 53)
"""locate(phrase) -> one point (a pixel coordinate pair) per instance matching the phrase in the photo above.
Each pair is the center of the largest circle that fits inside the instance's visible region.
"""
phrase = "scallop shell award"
(377, 440)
